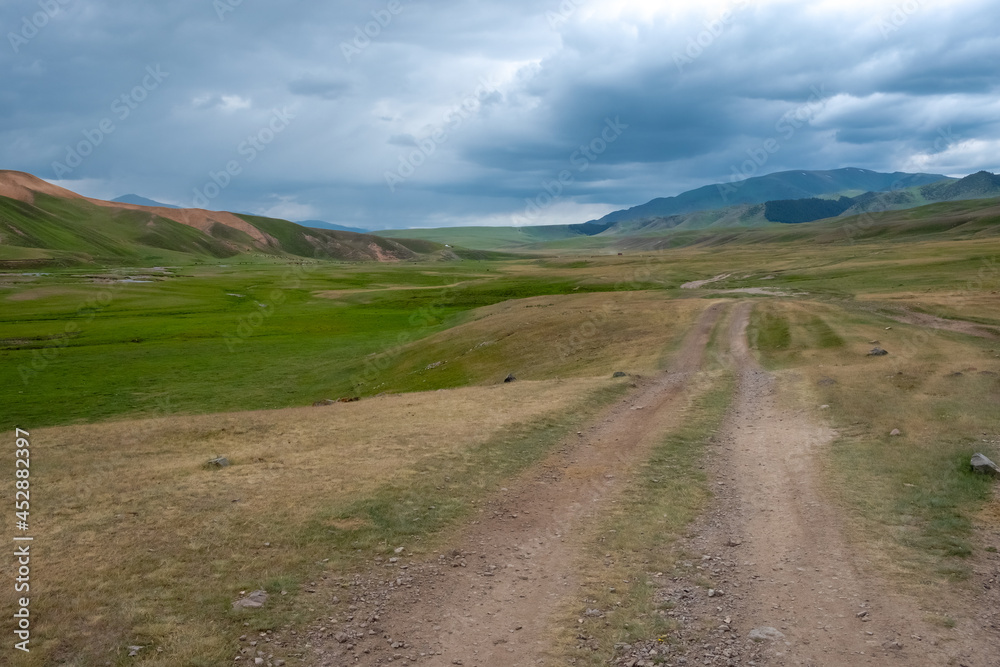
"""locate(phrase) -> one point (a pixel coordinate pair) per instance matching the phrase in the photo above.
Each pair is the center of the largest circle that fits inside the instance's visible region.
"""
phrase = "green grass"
(768, 331)
(76, 232)
(87, 352)
(486, 238)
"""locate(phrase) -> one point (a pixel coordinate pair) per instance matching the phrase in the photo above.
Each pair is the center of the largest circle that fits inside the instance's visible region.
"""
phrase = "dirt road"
(780, 557)
(487, 602)
(773, 548)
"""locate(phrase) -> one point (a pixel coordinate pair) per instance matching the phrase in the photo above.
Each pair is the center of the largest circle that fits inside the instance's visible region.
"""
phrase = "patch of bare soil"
(759, 291)
(488, 602)
(958, 326)
(781, 569)
(695, 284)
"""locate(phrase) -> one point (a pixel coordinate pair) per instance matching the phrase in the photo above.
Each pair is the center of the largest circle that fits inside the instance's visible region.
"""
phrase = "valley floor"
(765, 576)
(753, 486)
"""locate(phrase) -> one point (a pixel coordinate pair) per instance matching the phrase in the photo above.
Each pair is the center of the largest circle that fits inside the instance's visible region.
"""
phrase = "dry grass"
(546, 337)
(140, 543)
(976, 305)
(911, 498)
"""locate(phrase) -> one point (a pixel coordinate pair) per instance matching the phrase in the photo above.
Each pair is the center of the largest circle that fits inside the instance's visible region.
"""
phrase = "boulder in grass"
(220, 462)
(510, 378)
(984, 466)
(619, 374)
(877, 352)
(255, 600)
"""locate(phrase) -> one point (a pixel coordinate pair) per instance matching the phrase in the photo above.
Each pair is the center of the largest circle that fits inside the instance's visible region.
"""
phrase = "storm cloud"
(397, 113)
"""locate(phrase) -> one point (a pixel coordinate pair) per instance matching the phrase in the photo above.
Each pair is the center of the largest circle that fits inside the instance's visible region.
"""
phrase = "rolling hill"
(778, 186)
(41, 222)
(980, 185)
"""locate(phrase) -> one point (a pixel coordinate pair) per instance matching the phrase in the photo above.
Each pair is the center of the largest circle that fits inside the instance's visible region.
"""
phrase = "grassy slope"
(77, 231)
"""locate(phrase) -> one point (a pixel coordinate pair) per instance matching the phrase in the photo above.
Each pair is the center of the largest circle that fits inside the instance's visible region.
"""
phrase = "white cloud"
(288, 209)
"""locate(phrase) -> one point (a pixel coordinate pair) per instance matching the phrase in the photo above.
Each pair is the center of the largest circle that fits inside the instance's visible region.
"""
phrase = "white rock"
(765, 633)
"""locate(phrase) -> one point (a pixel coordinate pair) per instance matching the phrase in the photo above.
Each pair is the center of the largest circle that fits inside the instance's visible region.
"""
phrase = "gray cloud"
(488, 101)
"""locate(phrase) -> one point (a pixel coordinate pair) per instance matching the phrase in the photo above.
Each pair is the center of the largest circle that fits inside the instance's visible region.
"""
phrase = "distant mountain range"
(41, 222)
(141, 201)
(778, 186)
(980, 185)
(320, 224)
(806, 196)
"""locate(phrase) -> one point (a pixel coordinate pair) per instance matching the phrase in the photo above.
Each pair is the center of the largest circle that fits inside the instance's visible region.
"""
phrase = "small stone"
(765, 633)
(620, 374)
(877, 352)
(220, 462)
(895, 432)
(258, 661)
(341, 637)
(510, 378)
(133, 651)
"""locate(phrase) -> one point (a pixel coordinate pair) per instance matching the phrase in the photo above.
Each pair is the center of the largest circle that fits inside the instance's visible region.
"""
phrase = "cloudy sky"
(405, 113)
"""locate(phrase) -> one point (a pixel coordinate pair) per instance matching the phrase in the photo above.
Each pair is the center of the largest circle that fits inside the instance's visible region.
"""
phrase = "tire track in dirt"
(778, 551)
(488, 602)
